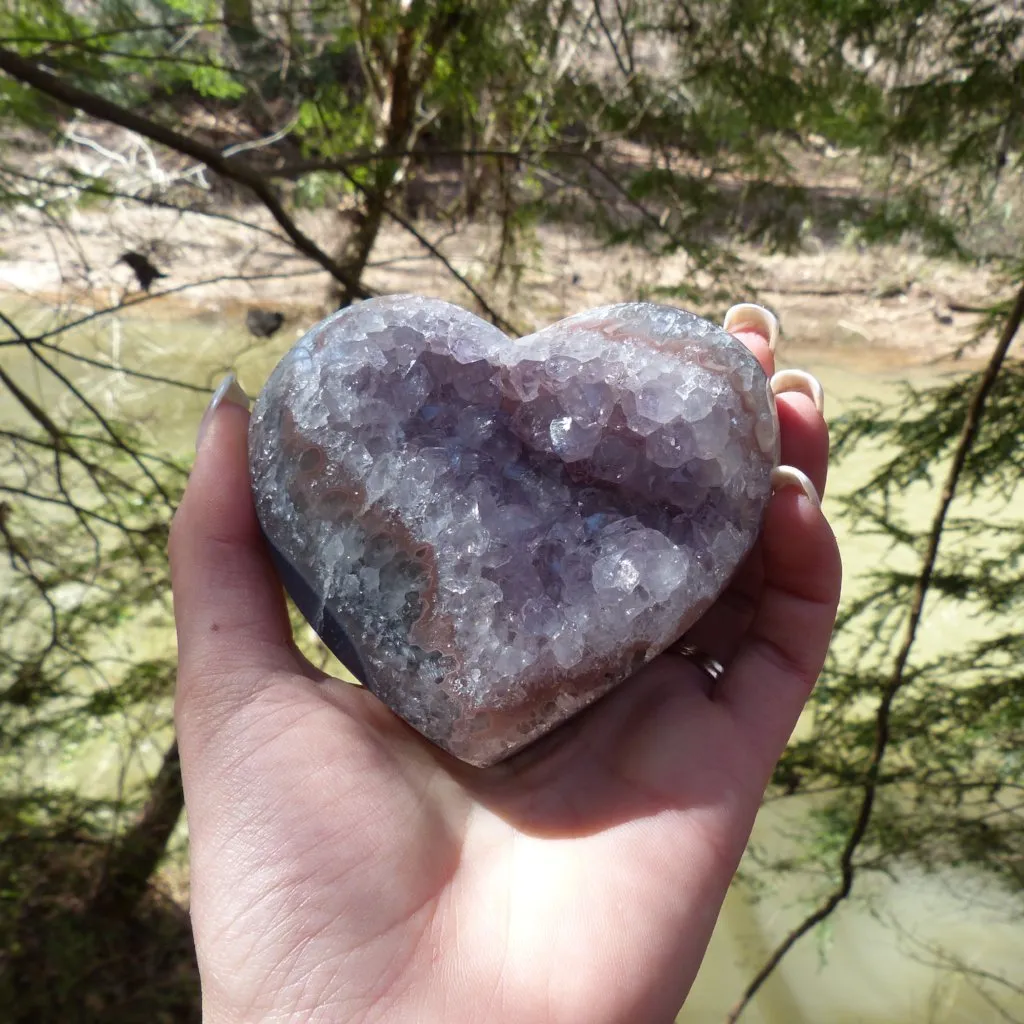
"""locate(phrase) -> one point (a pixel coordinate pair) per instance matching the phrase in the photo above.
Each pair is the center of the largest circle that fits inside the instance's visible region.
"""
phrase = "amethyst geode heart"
(492, 533)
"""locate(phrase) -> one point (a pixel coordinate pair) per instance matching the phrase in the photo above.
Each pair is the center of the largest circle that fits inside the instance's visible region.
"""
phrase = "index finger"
(804, 434)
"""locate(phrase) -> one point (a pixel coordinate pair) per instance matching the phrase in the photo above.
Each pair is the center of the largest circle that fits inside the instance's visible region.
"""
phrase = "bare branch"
(103, 421)
(33, 408)
(48, 500)
(611, 41)
(36, 442)
(137, 374)
(227, 167)
(496, 318)
(296, 168)
(92, 188)
(138, 300)
(972, 423)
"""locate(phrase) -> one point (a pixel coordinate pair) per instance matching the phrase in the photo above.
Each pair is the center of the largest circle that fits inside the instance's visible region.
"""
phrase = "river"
(872, 962)
(875, 960)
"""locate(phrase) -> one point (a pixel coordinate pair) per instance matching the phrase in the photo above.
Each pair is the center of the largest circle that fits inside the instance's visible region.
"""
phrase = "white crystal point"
(492, 533)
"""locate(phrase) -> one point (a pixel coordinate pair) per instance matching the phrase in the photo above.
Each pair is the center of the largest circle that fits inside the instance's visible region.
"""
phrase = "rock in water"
(263, 323)
(492, 533)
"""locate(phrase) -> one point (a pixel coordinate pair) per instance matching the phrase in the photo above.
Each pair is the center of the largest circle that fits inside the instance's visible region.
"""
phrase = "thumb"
(232, 622)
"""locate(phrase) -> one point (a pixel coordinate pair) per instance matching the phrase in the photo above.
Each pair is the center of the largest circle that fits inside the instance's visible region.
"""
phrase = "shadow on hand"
(655, 744)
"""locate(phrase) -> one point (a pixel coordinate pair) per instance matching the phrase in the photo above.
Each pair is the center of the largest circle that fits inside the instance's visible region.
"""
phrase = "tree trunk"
(407, 75)
(396, 135)
(133, 860)
(239, 21)
(355, 252)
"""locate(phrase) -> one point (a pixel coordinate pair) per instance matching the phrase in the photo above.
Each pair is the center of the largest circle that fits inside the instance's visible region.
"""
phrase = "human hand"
(344, 869)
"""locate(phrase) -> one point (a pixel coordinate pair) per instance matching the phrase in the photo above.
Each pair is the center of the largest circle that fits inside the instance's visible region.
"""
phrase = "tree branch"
(33, 408)
(972, 423)
(135, 456)
(611, 41)
(227, 167)
(47, 499)
(496, 318)
(146, 200)
(138, 300)
(140, 27)
(127, 371)
(296, 168)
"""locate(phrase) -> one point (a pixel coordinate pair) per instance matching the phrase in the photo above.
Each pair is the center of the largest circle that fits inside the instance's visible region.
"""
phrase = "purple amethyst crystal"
(492, 533)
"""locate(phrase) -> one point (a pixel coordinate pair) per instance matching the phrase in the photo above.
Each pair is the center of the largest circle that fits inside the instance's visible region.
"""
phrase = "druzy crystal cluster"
(493, 532)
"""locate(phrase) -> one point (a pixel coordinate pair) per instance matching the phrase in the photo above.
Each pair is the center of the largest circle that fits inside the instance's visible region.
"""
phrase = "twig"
(972, 423)
(138, 300)
(819, 292)
(47, 499)
(107, 193)
(135, 456)
(138, 374)
(34, 409)
(496, 318)
(126, 30)
(261, 143)
(58, 472)
(35, 442)
(297, 168)
(938, 959)
(60, 444)
(626, 71)
(227, 167)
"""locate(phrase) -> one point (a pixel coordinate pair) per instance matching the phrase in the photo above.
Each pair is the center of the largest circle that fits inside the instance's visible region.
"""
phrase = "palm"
(345, 869)
(423, 872)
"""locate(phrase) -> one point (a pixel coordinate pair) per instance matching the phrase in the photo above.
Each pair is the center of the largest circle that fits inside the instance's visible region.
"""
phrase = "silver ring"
(711, 667)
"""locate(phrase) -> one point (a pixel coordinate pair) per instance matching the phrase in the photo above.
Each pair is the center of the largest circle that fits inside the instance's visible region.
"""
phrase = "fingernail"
(753, 317)
(790, 476)
(229, 390)
(802, 382)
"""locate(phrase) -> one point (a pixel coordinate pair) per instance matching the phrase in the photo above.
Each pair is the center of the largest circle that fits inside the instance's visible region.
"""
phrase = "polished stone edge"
(316, 613)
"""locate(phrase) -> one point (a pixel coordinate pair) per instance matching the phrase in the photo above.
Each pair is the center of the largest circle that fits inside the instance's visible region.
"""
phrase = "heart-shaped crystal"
(492, 533)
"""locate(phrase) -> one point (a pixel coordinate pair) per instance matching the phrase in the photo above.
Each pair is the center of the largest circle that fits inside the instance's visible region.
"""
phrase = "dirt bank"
(888, 305)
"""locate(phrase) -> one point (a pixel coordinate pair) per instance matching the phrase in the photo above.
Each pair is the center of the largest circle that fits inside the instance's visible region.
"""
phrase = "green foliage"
(680, 128)
(215, 83)
(738, 91)
(951, 778)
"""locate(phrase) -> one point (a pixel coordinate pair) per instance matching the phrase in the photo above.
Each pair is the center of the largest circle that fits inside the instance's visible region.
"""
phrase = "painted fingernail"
(229, 390)
(802, 382)
(753, 317)
(790, 476)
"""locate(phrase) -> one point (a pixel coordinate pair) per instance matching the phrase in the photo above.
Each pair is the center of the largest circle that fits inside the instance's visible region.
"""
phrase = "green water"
(873, 961)
(870, 965)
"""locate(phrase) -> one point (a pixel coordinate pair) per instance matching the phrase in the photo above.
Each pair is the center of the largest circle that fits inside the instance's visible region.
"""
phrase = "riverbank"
(892, 306)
